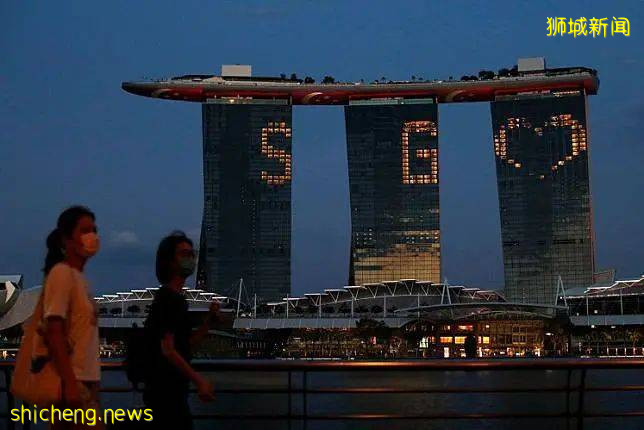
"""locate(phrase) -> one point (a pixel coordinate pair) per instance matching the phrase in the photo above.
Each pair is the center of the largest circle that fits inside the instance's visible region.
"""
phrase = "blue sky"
(69, 134)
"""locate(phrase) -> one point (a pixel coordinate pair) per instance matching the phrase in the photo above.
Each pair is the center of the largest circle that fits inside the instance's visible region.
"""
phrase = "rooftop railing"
(298, 391)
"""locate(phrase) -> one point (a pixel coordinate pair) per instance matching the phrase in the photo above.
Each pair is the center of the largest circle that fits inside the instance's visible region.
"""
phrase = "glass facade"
(541, 152)
(246, 229)
(392, 149)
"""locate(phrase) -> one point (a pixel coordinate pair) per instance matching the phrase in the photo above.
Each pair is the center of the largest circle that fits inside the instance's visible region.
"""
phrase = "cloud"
(124, 238)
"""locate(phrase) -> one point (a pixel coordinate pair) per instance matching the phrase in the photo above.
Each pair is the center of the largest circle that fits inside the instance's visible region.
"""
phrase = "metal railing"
(575, 389)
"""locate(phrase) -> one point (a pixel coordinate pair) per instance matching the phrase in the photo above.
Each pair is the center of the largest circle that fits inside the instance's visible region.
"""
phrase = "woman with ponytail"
(70, 329)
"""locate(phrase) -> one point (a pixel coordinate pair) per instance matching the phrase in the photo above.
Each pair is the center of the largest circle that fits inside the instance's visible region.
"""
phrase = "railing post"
(580, 405)
(11, 425)
(290, 405)
(568, 398)
(305, 413)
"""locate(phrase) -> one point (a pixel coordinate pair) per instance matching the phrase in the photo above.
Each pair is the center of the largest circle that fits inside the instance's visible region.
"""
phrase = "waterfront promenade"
(464, 394)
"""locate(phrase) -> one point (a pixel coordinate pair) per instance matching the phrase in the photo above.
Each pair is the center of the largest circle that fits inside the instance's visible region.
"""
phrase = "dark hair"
(166, 254)
(65, 226)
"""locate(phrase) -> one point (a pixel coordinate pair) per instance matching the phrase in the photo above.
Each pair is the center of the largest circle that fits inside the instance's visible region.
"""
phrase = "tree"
(486, 74)
(413, 332)
(465, 78)
(504, 72)
(328, 80)
(413, 77)
(293, 77)
(282, 75)
(367, 328)
(594, 340)
(309, 80)
(634, 336)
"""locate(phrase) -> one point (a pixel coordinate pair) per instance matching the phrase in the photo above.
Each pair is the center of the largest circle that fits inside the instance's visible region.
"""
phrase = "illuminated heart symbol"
(577, 137)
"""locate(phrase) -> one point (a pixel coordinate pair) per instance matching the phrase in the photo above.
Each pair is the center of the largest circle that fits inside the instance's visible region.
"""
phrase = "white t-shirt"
(67, 295)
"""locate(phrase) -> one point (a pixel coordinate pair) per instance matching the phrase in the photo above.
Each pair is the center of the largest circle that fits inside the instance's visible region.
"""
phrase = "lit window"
(271, 152)
(429, 154)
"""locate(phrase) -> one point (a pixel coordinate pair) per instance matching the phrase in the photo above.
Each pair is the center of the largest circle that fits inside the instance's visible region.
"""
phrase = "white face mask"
(90, 244)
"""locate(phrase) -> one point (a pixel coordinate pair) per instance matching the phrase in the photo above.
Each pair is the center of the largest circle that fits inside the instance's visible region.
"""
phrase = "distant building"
(10, 287)
(236, 70)
(16, 303)
(392, 149)
(541, 146)
(246, 229)
(532, 64)
(541, 150)
(616, 303)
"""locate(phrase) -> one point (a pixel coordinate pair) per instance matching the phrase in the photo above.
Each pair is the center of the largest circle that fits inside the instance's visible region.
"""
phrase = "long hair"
(166, 254)
(65, 226)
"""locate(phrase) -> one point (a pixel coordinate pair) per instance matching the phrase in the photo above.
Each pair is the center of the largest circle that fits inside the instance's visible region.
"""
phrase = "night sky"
(69, 134)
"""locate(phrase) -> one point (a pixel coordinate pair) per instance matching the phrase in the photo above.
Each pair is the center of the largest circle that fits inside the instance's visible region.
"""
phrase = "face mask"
(90, 244)
(187, 266)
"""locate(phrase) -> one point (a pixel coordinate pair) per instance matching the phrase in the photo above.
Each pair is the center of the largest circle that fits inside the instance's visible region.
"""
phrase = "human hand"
(213, 312)
(205, 390)
(214, 307)
(71, 393)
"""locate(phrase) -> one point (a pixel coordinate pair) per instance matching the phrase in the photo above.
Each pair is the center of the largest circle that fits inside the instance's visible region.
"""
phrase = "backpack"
(137, 359)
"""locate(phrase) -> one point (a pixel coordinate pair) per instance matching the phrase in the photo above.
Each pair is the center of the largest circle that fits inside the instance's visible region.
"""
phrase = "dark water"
(325, 404)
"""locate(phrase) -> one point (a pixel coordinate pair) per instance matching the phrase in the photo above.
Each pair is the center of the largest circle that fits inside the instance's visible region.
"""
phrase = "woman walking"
(169, 333)
(70, 329)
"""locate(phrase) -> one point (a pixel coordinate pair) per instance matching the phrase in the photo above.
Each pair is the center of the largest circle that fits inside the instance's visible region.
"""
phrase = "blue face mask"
(187, 266)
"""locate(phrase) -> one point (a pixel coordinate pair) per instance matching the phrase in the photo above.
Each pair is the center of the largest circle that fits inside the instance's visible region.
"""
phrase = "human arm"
(56, 306)
(204, 387)
(59, 352)
(213, 317)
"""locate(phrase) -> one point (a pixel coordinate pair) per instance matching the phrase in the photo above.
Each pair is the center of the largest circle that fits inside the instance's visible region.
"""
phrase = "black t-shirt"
(168, 314)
